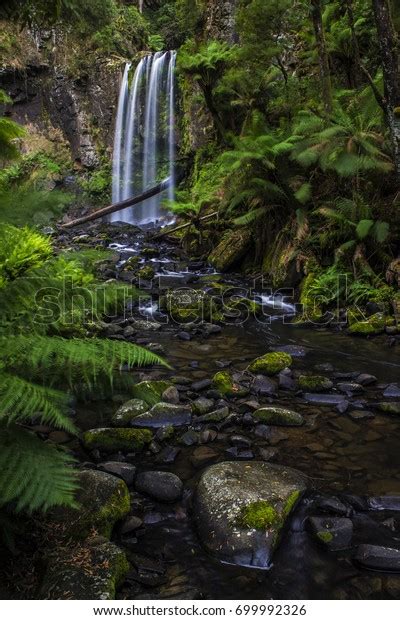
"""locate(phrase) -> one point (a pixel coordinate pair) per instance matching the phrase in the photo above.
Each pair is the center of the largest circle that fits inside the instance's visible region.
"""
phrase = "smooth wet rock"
(128, 411)
(286, 380)
(324, 399)
(392, 408)
(378, 558)
(112, 440)
(366, 379)
(384, 502)
(203, 384)
(350, 388)
(271, 363)
(202, 405)
(263, 386)
(126, 471)
(358, 414)
(278, 416)
(315, 383)
(170, 395)
(214, 416)
(190, 438)
(164, 414)
(333, 506)
(242, 454)
(150, 391)
(96, 578)
(392, 391)
(102, 500)
(335, 533)
(160, 485)
(241, 509)
(131, 524)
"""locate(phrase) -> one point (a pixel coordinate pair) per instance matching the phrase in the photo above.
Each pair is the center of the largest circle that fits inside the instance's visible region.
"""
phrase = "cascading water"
(144, 144)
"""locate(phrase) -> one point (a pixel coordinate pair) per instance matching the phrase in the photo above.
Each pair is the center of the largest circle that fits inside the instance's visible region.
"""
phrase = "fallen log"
(119, 206)
(163, 233)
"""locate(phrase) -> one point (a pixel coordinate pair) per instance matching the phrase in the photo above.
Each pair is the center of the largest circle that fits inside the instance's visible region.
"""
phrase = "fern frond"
(34, 474)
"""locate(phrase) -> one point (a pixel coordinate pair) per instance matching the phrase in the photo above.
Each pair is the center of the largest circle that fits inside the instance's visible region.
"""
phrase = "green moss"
(115, 439)
(290, 503)
(258, 515)
(391, 408)
(223, 382)
(132, 263)
(128, 411)
(271, 363)
(278, 416)
(150, 391)
(371, 327)
(325, 537)
(314, 383)
(146, 273)
(116, 508)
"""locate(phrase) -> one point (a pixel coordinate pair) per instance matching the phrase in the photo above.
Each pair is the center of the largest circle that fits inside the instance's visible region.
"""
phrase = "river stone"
(150, 391)
(263, 386)
(128, 411)
(116, 439)
(378, 558)
(324, 399)
(392, 408)
(96, 578)
(366, 379)
(160, 485)
(170, 395)
(333, 532)
(271, 363)
(278, 416)
(102, 500)
(392, 391)
(202, 405)
(214, 416)
(164, 414)
(226, 490)
(317, 383)
(126, 471)
(385, 502)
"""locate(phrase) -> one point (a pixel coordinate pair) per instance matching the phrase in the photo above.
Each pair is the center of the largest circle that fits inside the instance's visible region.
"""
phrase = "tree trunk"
(118, 206)
(388, 45)
(316, 13)
(356, 49)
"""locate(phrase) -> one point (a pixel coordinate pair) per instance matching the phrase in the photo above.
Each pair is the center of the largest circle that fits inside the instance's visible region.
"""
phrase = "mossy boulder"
(278, 416)
(231, 249)
(271, 363)
(102, 499)
(373, 326)
(226, 386)
(164, 414)
(241, 509)
(150, 391)
(116, 439)
(391, 408)
(128, 411)
(146, 273)
(132, 264)
(243, 307)
(84, 573)
(314, 383)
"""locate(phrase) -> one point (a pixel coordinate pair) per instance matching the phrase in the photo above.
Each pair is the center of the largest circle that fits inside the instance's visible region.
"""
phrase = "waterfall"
(144, 145)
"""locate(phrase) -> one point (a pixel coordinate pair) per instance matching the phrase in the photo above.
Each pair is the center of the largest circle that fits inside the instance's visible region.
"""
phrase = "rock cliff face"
(220, 20)
(47, 95)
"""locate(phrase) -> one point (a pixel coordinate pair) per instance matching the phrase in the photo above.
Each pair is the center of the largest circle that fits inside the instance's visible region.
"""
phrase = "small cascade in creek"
(144, 143)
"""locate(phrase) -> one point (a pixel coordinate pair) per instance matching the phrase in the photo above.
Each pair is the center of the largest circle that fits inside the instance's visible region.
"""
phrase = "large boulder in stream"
(101, 500)
(92, 572)
(241, 509)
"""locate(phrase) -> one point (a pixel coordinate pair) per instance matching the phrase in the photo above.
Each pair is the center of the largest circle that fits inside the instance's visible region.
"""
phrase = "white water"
(144, 145)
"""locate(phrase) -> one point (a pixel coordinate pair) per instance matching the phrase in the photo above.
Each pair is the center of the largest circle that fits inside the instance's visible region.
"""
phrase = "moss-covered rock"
(150, 391)
(278, 416)
(102, 500)
(373, 326)
(132, 264)
(391, 408)
(314, 383)
(243, 307)
(116, 439)
(224, 383)
(146, 273)
(84, 573)
(128, 411)
(231, 249)
(241, 509)
(271, 363)
(164, 414)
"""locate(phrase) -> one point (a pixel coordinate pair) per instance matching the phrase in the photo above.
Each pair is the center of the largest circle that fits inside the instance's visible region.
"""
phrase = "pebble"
(126, 471)
(203, 384)
(161, 485)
